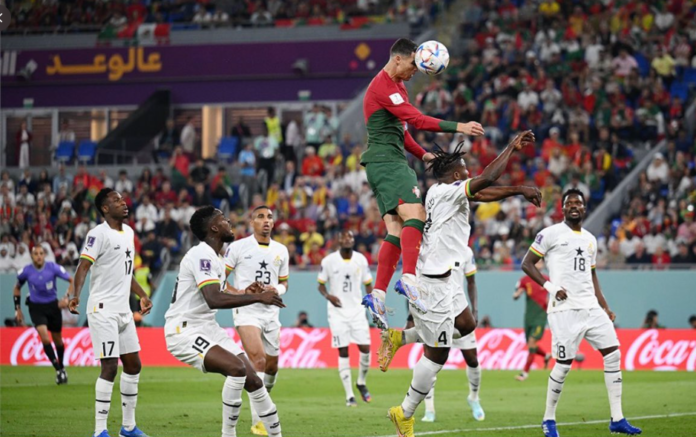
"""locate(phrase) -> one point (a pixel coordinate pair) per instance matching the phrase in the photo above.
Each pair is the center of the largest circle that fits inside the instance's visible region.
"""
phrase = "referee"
(43, 305)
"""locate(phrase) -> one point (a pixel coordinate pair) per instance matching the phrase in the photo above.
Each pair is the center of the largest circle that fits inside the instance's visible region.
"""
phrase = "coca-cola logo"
(28, 350)
(502, 349)
(647, 351)
(299, 348)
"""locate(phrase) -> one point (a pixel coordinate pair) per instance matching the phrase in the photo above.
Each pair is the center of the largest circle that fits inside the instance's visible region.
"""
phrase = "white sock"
(553, 392)
(430, 401)
(254, 415)
(410, 336)
(103, 389)
(364, 367)
(269, 381)
(129, 399)
(613, 381)
(424, 376)
(344, 373)
(267, 411)
(474, 375)
(231, 403)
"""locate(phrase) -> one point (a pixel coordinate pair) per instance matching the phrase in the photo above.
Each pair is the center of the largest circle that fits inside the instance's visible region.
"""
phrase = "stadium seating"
(87, 152)
(65, 151)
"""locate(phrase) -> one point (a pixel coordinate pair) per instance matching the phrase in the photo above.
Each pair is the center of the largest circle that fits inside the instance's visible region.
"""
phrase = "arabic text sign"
(199, 62)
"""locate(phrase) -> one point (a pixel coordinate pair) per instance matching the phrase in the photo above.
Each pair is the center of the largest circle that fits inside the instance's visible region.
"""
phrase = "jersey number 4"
(263, 276)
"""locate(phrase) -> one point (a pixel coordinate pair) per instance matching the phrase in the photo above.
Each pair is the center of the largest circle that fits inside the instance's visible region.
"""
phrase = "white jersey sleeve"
(542, 243)
(323, 276)
(284, 270)
(93, 245)
(469, 262)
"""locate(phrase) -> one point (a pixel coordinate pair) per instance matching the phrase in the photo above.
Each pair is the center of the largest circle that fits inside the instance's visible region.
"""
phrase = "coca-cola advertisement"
(505, 349)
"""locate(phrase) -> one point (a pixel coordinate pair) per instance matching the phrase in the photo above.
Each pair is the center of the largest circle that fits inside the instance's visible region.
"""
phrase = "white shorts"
(435, 327)
(460, 301)
(345, 331)
(192, 343)
(267, 323)
(467, 342)
(113, 334)
(569, 327)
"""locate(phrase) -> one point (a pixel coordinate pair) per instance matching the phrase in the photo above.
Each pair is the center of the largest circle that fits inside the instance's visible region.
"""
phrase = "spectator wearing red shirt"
(180, 164)
(165, 195)
(660, 257)
(81, 176)
(551, 143)
(542, 174)
(315, 255)
(312, 165)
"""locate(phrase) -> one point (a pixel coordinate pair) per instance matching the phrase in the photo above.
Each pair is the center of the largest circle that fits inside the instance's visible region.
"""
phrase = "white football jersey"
(464, 271)
(447, 229)
(112, 254)
(345, 278)
(200, 266)
(251, 261)
(570, 257)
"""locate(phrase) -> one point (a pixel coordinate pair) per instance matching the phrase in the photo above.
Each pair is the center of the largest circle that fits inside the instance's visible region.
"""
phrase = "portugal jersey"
(251, 261)
(112, 254)
(570, 257)
(345, 278)
(200, 267)
(386, 108)
(536, 296)
(446, 231)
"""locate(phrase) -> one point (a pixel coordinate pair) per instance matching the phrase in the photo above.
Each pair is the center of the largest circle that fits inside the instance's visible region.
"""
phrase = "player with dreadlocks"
(440, 271)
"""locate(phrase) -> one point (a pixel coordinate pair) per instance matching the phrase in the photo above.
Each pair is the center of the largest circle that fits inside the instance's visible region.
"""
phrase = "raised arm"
(495, 169)
(492, 194)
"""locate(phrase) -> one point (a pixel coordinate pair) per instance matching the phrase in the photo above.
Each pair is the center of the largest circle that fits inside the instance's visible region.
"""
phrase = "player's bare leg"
(387, 259)
(219, 360)
(363, 368)
(344, 373)
(50, 354)
(424, 376)
(465, 322)
(614, 383)
(253, 346)
(413, 218)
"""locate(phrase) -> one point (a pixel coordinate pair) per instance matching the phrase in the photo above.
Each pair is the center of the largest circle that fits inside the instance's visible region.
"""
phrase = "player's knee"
(237, 370)
(343, 352)
(259, 363)
(612, 360)
(253, 382)
(109, 368)
(133, 368)
(471, 360)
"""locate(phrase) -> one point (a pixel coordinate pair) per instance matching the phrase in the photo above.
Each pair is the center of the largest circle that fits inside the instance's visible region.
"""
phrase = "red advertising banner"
(663, 349)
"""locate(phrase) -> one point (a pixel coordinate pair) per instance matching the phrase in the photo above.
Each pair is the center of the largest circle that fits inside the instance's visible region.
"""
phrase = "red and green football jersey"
(387, 110)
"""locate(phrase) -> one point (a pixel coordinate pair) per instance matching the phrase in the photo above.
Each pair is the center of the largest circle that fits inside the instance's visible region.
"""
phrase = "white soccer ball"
(432, 57)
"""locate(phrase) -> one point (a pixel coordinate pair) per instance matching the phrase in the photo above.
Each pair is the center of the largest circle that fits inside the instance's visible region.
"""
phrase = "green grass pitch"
(184, 402)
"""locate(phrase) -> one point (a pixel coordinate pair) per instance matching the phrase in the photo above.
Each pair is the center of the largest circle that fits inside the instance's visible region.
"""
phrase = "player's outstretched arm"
(600, 296)
(493, 194)
(495, 169)
(217, 300)
(408, 113)
(80, 275)
(530, 268)
(516, 295)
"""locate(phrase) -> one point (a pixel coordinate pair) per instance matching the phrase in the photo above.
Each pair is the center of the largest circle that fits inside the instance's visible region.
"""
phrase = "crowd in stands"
(566, 70)
(598, 82)
(116, 17)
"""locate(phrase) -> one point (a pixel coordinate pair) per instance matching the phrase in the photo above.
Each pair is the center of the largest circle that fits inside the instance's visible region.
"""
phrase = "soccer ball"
(432, 58)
